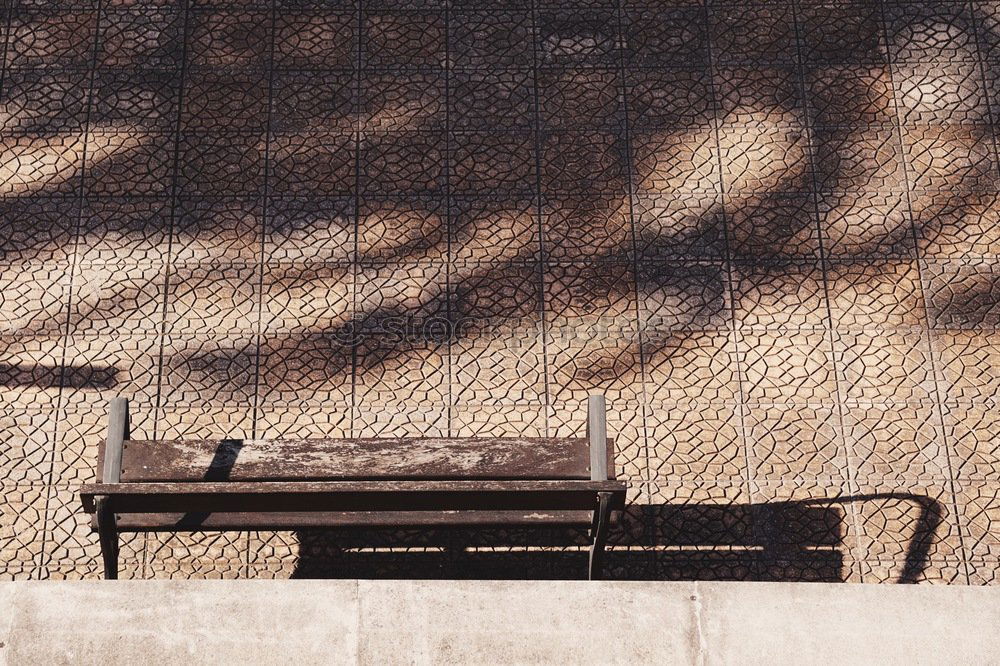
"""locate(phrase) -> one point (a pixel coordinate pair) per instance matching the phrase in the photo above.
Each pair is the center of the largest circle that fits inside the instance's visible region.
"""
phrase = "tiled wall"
(767, 231)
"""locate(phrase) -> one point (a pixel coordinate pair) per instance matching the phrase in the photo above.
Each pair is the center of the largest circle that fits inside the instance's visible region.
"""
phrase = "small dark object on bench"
(193, 485)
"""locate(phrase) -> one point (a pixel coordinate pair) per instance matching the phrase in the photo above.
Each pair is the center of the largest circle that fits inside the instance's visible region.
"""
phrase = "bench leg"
(107, 532)
(599, 533)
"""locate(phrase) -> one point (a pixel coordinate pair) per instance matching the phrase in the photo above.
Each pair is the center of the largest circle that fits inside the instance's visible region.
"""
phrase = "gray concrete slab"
(494, 622)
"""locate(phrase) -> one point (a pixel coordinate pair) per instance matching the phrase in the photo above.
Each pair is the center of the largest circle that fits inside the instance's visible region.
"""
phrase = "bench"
(293, 484)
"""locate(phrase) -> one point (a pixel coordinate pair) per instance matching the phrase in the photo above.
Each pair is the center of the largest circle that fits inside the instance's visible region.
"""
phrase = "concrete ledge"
(389, 622)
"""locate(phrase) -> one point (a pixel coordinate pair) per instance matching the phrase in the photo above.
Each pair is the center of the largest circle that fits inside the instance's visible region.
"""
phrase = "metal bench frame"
(303, 502)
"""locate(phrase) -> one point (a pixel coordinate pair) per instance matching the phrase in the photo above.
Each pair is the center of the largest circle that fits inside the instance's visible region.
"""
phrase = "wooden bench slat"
(344, 459)
(141, 522)
(240, 496)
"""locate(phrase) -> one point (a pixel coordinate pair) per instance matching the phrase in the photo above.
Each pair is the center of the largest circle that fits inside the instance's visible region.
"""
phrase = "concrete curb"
(523, 622)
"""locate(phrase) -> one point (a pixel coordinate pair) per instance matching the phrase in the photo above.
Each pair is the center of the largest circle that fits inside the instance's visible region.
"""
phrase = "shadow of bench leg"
(107, 532)
(599, 532)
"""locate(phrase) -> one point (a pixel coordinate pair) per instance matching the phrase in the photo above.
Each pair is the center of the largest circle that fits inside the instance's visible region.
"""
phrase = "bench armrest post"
(597, 434)
(118, 427)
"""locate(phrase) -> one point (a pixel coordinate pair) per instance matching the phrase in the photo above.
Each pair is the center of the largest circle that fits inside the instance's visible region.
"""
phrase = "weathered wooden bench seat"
(191, 485)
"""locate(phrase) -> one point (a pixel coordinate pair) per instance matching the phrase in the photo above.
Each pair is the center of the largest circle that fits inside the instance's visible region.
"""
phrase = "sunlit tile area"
(768, 232)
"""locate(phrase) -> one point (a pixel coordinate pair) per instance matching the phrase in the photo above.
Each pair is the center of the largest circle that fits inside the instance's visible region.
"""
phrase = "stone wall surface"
(767, 231)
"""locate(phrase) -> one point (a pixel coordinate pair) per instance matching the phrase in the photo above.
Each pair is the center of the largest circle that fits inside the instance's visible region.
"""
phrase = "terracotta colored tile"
(779, 226)
(981, 572)
(486, 371)
(754, 32)
(950, 225)
(899, 518)
(941, 93)
(863, 294)
(582, 163)
(666, 36)
(394, 102)
(577, 37)
(390, 371)
(700, 516)
(141, 38)
(37, 164)
(487, 230)
(675, 162)
(896, 442)
(37, 101)
(934, 31)
(404, 39)
(769, 296)
(391, 302)
(491, 99)
(208, 422)
(47, 239)
(497, 163)
(963, 295)
(885, 365)
(580, 98)
(973, 433)
(752, 95)
(969, 363)
(211, 299)
(695, 442)
(309, 230)
(312, 164)
(857, 158)
(789, 442)
(22, 515)
(305, 370)
(30, 371)
(588, 227)
(307, 300)
(943, 158)
(866, 224)
(224, 101)
(207, 371)
(315, 39)
(395, 421)
(402, 229)
(606, 363)
(691, 366)
(683, 296)
(788, 366)
(98, 367)
(29, 439)
(33, 298)
(792, 517)
(128, 163)
(491, 39)
(979, 511)
(503, 302)
(303, 422)
(222, 164)
(762, 156)
(498, 421)
(193, 551)
(689, 227)
(51, 39)
(941, 571)
(314, 101)
(230, 39)
(843, 32)
(216, 230)
(669, 99)
(408, 162)
(850, 95)
(134, 229)
(589, 294)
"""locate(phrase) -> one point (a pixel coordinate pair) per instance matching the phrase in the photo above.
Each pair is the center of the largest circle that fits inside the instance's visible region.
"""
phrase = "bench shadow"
(809, 540)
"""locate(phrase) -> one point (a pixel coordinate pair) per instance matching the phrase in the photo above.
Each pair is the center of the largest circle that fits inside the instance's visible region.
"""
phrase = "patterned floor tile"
(946, 157)
(885, 366)
(691, 366)
(895, 442)
(493, 231)
(683, 296)
(695, 442)
(309, 230)
(788, 366)
(956, 226)
(779, 295)
(402, 228)
(963, 295)
(770, 227)
(885, 294)
(866, 225)
(978, 511)
(912, 520)
(973, 433)
(794, 442)
(969, 363)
